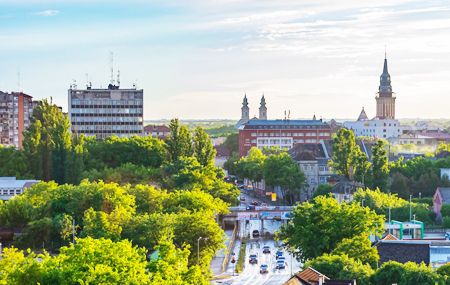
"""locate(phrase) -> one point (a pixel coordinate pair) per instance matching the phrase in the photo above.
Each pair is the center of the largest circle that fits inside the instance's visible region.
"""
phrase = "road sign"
(274, 196)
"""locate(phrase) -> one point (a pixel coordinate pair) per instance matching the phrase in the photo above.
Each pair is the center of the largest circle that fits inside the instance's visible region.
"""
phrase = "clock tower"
(385, 98)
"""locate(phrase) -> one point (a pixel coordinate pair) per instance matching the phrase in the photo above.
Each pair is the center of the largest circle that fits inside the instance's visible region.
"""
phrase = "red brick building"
(281, 133)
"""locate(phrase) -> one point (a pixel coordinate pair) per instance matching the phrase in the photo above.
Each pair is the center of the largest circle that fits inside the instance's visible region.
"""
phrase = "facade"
(440, 197)
(384, 125)
(281, 133)
(16, 109)
(9, 187)
(245, 111)
(157, 131)
(310, 276)
(313, 161)
(106, 112)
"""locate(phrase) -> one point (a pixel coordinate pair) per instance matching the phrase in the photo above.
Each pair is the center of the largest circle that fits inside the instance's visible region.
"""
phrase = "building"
(157, 131)
(384, 125)
(245, 111)
(281, 133)
(313, 159)
(432, 252)
(440, 197)
(106, 112)
(10, 186)
(16, 109)
(310, 276)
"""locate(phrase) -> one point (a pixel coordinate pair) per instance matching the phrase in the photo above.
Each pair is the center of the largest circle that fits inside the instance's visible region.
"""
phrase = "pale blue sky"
(195, 59)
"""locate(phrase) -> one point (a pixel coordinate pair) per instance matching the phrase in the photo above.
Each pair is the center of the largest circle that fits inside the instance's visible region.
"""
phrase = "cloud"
(47, 13)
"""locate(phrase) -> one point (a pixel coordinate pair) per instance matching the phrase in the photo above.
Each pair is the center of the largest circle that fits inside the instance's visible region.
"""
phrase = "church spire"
(245, 110)
(263, 109)
(385, 88)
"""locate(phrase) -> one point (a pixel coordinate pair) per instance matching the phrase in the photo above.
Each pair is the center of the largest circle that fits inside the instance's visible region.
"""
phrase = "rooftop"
(12, 182)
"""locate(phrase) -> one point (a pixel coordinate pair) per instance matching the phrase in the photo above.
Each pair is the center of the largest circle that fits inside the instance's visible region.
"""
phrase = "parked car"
(255, 203)
(281, 264)
(255, 233)
(242, 198)
(264, 268)
(233, 259)
(253, 259)
(266, 249)
(281, 258)
(278, 254)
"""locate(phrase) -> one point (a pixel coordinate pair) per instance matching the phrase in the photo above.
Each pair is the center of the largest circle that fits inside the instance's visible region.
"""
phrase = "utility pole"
(410, 212)
(73, 230)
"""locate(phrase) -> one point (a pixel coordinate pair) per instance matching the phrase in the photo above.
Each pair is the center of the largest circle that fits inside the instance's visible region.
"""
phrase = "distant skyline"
(196, 59)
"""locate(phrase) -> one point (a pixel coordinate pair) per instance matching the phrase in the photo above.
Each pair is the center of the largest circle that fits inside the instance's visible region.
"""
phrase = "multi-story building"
(10, 186)
(16, 109)
(384, 125)
(106, 112)
(281, 133)
(157, 131)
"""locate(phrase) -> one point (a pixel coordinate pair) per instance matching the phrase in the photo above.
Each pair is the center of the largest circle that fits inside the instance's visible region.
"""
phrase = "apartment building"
(106, 112)
(16, 109)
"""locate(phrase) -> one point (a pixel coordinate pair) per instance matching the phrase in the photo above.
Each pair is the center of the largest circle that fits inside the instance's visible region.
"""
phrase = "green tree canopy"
(203, 149)
(179, 143)
(318, 227)
(341, 267)
(380, 165)
(281, 170)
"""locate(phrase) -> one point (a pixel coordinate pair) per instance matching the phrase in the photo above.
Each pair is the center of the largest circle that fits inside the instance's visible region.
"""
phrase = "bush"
(446, 222)
(445, 210)
(241, 258)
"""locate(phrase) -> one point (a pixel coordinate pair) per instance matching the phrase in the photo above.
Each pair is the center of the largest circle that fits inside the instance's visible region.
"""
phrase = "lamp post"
(362, 202)
(414, 223)
(410, 211)
(198, 249)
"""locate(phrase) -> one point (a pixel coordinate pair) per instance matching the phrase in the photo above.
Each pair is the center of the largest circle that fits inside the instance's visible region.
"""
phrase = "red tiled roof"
(156, 128)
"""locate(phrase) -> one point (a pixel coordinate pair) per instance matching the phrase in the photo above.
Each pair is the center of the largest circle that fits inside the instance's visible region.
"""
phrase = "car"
(278, 254)
(281, 264)
(263, 205)
(266, 249)
(264, 268)
(242, 198)
(255, 203)
(253, 259)
(281, 258)
(233, 259)
(250, 207)
(255, 233)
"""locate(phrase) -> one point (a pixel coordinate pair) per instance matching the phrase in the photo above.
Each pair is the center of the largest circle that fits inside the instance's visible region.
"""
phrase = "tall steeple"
(385, 99)
(263, 109)
(245, 111)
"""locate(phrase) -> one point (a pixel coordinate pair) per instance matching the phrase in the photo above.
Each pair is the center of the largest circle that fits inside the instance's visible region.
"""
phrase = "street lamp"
(362, 202)
(198, 249)
(410, 211)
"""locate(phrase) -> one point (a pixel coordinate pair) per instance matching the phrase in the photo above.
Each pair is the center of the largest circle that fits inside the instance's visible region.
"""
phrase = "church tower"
(385, 98)
(245, 111)
(263, 109)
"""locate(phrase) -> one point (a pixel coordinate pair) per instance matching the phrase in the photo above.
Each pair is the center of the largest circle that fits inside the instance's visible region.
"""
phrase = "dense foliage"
(318, 227)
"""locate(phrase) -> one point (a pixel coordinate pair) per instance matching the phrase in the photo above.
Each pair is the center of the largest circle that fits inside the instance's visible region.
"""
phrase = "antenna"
(285, 114)
(87, 80)
(289, 114)
(385, 51)
(18, 81)
(111, 63)
(118, 77)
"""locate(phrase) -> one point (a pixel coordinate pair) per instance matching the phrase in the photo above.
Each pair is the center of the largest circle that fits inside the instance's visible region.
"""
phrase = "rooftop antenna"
(18, 81)
(118, 77)
(289, 114)
(111, 63)
(385, 51)
(284, 114)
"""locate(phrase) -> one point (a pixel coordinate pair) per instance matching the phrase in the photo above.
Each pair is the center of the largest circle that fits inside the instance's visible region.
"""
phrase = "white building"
(376, 128)
(10, 186)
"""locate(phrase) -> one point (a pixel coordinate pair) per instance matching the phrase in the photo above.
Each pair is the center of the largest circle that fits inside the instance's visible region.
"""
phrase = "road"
(251, 273)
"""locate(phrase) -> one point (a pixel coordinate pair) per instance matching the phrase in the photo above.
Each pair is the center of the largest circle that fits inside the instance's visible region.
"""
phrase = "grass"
(241, 258)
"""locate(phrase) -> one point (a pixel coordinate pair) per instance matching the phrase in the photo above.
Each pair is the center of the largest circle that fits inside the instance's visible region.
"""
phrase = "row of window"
(109, 132)
(107, 111)
(94, 120)
(109, 128)
(322, 134)
(98, 106)
(292, 127)
(11, 191)
(104, 115)
(107, 102)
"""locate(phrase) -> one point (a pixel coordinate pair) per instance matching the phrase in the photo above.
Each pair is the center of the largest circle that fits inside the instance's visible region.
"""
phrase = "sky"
(195, 59)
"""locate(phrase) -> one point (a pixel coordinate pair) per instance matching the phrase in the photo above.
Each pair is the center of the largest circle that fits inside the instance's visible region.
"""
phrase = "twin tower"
(245, 110)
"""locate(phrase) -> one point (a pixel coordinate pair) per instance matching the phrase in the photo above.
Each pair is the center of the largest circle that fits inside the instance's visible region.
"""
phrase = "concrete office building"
(16, 109)
(106, 112)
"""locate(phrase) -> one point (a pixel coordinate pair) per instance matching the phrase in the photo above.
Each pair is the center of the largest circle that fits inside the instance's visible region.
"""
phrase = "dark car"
(242, 198)
(255, 233)
(264, 268)
(253, 259)
(255, 203)
(281, 264)
(266, 249)
(278, 254)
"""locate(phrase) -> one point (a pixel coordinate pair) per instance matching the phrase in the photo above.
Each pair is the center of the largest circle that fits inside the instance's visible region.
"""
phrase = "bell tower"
(263, 109)
(245, 111)
(385, 98)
